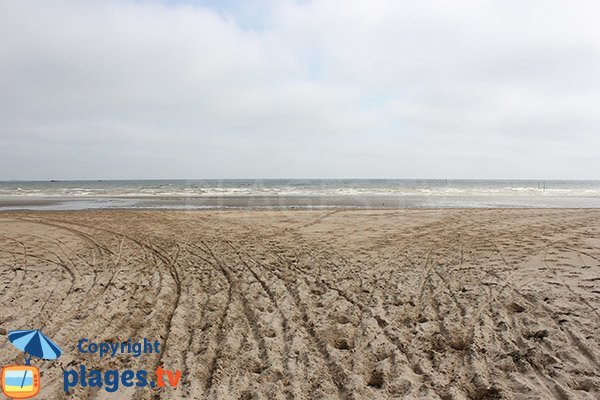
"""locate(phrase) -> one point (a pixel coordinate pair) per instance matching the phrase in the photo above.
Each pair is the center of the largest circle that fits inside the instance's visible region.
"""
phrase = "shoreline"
(302, 202)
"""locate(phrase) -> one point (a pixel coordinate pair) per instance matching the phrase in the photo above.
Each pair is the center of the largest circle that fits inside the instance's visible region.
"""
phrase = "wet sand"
(297, 304)
(287, 202)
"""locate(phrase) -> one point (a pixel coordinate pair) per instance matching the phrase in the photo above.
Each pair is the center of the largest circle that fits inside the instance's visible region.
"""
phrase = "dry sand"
(450, 304)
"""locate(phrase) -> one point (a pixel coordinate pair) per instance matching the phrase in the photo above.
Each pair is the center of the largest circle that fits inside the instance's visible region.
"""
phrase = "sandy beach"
(301, 304)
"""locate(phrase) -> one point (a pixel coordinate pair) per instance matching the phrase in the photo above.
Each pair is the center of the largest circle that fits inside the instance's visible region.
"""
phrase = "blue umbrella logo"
(35, 344)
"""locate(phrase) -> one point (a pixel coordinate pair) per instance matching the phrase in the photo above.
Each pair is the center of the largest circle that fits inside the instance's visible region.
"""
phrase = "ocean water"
(302, 193)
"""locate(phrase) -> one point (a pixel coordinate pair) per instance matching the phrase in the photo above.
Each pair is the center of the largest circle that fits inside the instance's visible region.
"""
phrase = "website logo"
(113, 379)
(23, 381)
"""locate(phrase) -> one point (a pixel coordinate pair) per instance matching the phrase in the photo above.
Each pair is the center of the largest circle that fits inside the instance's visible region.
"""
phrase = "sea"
(297, 193)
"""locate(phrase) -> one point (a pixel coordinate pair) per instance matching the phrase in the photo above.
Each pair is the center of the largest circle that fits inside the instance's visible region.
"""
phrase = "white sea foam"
(476, 193)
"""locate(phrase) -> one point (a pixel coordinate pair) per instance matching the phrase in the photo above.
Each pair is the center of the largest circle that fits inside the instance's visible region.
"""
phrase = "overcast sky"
(258, 89)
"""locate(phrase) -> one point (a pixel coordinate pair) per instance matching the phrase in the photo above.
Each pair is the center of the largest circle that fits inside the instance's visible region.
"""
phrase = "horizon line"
(291, 178)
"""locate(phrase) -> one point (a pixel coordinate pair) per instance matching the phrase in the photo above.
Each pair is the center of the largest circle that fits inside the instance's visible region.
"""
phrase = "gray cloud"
(485, 89)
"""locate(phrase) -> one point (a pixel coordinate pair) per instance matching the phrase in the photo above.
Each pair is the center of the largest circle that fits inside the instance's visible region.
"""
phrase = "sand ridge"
(340, 304)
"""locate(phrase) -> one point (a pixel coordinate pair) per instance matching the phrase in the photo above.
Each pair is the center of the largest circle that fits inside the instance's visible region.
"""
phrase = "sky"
(297, 89)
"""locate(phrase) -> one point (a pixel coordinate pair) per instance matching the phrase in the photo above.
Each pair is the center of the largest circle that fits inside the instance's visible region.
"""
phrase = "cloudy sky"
(328, 88)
